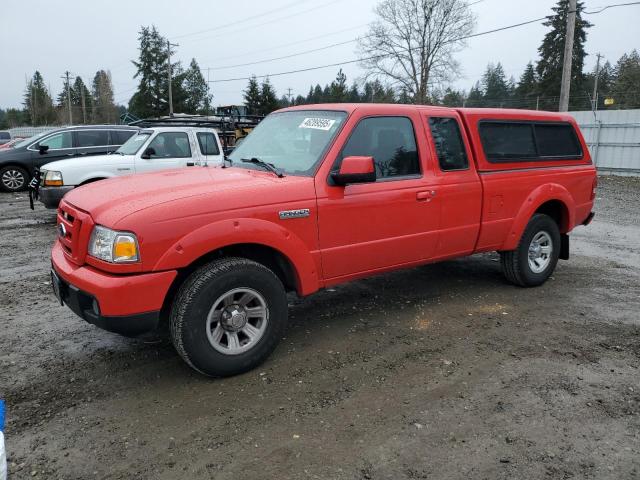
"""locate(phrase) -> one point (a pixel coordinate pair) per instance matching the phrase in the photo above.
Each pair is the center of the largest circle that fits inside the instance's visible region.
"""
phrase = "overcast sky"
(83, 36)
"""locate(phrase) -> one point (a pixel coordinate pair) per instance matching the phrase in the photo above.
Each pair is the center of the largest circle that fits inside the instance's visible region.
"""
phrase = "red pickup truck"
(316, 196)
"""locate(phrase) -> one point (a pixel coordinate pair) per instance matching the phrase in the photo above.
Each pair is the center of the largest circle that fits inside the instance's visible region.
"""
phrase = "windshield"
(292, 141)
(131, 146)
(27, 141)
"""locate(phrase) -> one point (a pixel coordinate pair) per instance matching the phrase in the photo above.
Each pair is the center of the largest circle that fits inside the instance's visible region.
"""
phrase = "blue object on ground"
(1, 415)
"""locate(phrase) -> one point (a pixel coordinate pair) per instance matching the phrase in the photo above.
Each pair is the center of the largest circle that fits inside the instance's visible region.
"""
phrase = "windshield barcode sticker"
(317, 123)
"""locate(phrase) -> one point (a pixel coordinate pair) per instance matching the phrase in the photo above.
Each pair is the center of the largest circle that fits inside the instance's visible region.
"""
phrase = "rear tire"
(228, 316)
(536, 256)
(13, 179)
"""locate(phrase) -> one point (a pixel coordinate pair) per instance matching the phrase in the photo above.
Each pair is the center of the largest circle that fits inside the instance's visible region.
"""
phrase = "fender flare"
(225, 233)
(542, 194)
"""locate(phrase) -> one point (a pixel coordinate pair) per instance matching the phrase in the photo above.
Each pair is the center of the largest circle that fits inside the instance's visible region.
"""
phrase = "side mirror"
(148, 153)
(355, 170)
(43, 149)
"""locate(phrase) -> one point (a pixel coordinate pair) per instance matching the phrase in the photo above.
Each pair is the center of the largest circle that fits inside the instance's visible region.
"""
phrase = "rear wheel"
(536, 256)
(228, 316)
(13, 179)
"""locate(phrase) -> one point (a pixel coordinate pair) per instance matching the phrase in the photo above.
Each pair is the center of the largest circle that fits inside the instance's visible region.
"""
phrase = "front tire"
(228, 316)
(536, 256)
(13, 179)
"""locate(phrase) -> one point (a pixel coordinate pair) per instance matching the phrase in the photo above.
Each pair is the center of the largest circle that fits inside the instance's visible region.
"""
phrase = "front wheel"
(228, 316)
(536, 256)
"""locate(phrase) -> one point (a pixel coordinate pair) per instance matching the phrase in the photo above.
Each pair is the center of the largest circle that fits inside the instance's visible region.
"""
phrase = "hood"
(109, 201)
(87, 161)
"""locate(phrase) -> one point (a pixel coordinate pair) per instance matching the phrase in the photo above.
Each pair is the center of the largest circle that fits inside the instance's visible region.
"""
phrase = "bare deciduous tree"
(413, 42)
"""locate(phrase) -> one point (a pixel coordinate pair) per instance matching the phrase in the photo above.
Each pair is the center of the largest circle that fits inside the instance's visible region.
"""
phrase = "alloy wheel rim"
(237, 321)
(540, 252)
(13, 179)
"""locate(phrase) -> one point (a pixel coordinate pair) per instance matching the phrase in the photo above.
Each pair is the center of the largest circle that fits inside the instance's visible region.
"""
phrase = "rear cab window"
(207, 143)
(518, 141)
(447, 140)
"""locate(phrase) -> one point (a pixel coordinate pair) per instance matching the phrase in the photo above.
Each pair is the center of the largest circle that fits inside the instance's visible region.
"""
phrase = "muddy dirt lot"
(439, 372)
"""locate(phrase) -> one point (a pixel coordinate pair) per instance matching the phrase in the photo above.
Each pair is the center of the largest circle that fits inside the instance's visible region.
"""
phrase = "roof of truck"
(398, 108)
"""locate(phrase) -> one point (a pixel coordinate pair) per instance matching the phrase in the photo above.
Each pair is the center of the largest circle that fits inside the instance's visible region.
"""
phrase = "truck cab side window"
(390, 141)
(448, 142)
(171, 145)
(208, 144)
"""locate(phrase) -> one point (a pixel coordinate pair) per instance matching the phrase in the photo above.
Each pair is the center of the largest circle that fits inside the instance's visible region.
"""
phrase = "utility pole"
(289, 94)
(68, 95)
(169, 45)
(84, 108)
(565, 86)
(594, 98)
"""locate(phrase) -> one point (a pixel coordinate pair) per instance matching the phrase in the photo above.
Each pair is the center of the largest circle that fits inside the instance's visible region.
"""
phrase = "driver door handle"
(425, 196)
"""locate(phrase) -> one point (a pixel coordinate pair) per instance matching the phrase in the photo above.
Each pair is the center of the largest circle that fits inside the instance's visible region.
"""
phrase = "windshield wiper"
(268, 166)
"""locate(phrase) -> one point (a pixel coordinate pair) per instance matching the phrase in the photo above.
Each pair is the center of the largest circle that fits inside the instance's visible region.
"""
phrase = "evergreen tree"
(453, 98)
(495, 87)
(252, 96)
(284, 102)
(62, 106)
(527, 89)
(317, 95)
(626, 87)
(103, 108)
(81, 101)
(198, 99)
(152, 97)
(38, 104)
(354, 94)
(300, 100)
(475, 98)
(404, 96)
(338, 92)
(268, 98)
(15, 117)
(549, 67)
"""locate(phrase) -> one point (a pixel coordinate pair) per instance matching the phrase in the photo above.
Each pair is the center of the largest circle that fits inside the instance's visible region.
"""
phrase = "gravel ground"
(439, 372)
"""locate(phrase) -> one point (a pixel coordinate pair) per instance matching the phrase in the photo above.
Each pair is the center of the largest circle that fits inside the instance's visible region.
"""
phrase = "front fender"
(225, 233)
(542, 194)
(82, 178)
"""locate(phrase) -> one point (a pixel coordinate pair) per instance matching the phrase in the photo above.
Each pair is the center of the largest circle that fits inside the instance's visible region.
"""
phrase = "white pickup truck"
(151, 149)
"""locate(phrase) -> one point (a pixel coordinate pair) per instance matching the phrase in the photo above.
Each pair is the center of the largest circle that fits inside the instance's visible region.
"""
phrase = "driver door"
(391, 222)
(60, 147)
(171, 150)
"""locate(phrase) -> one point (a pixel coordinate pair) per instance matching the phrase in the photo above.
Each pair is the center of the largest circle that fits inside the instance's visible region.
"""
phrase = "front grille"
(74, 227)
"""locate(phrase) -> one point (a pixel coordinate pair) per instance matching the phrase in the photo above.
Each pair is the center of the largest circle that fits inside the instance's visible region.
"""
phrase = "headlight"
(52, 179)
(112, 246)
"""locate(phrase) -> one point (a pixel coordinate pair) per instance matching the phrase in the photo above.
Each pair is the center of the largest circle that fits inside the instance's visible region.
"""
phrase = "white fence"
(613, 137)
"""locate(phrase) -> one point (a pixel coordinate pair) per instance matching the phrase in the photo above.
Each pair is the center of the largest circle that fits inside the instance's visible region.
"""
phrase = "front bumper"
(124, 304)
(51, 196)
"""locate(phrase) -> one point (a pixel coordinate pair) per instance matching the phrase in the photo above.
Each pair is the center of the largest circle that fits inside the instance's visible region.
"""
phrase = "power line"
(347, 62)
(326, 47)
(610, 6)
(288, 44)
(244, 29)
(246, 19)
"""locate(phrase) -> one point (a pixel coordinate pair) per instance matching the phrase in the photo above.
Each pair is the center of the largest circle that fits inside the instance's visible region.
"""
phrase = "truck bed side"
(514, 190)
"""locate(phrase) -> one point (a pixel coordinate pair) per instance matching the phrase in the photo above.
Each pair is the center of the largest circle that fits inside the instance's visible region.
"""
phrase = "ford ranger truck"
(316, 196)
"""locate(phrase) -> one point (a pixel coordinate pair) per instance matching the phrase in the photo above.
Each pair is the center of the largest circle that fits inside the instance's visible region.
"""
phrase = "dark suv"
(17, 164)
